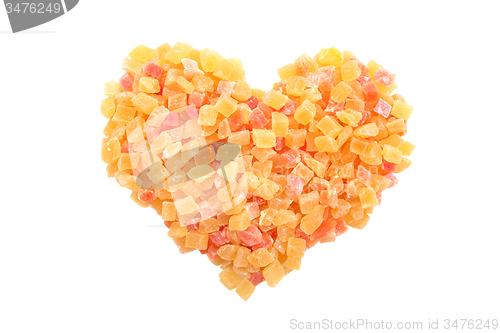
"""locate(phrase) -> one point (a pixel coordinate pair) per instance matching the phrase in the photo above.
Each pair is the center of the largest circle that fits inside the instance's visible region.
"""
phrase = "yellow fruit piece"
(273, 273)
(401, 110)
(209, 60)
(312, 66)
(368, 197)
(391, 154)
(230, 279)
(149, 85)
(305, 112)
(242, 91)
(162, 49)
(108, 107)
(177, 231)
(203, 83)
(245, 289)
(239, 221)
(275, 99)
(110, 151)
(131, 66)
(372, 155)
(296, 85)
(264, 138)
(312, 221)
(407, 148)
(226, 105)
(197, 240)
(396, 126)
(209, 225)
(124, 114)
(228, 251)
(144, 103)
(280, 124)
(293, 263)
(283, 216)
(329, 126)
(296, 247)
(168, 211)
(405, 164)
(186, 205)
(341, 91)
(394, 140)
(358, 146)
(316, 166)
(178, 52)
(177, 101)
(142, 54)
(295, 138)
(260, 258)
(186, 86)
(331, 56)
(357, 224)
(366, 131)
(386, 90)
(372, 67)
(286, 71)
(350, 70)
(349, 117)
(124, 162)
(111, 88)
(241, 257)
(224, 69)
(308, 201)
(312, 95)
(207, 115)
(326, 144)
(258, 93)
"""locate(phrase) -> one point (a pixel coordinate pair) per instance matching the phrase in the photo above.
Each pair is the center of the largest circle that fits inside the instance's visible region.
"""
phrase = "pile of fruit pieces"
(318, 150)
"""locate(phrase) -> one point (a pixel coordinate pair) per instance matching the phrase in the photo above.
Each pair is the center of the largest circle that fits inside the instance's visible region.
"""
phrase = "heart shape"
(252, 178)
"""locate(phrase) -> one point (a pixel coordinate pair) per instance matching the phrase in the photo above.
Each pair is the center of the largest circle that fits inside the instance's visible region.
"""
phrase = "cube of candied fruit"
(283, 216)
(108, 107)
(396, 126)
(340, 92)
(241, 257)
(228, 251)
(142, 53)
(329, 126)
(209, 60)
(368, 197)
(326, 144)
(185, 206)
(197, 240)
(242, 91)
(149, 85)
(312, 221)
(295, 85)
(177, 231)
(279, 124)
(226, 105)
(305, 112)
(110, 151)
(230, 279)
(366, 131)
(275, 99)
(132, 66)
(295, 138)
(308, 201)
(186, 86)
(286, 71)
(177, 101)
(405, 164)
(178, 52)
(245, 289)
(392, 154)
(273, 273)
(394, 140)
(296, 247)
(384, 77)
(124, 114)
(264, 138)
(260, 258)
(207, 115)
(239, 221)
(358, 146)
(144, 103)
(224, 69)
(350, 70)
(407, 148)
(168, 212)
(401, 110)
(330, 57)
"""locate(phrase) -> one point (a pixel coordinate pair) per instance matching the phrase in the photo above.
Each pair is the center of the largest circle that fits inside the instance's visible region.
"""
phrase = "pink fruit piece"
(326, 228)
(196, 98)
(312, 80)
(219, 237)
(290, 159)
(250, 236)
(256, 278)
(126, 81)
(192, 111)
(146, 195)
(205, 210)
(171, 121)
(326, 78)
(190, 68)
(152, 132)
(252, 102)
(363, 80)
(259, 200)
(280, 143)
(266, 243)
(268, 111)
(258, 118)
(371, 92)
(152, 69)
(193, 224)
(364, 115)
(289, 108)
(363, 173)
(125, 147)
(236, 120)
(393, 180)
(332, 108)
(340, 227)
(384, 77)
(253, 210)
(226, 87)
(294, 185)
(388, 166)
(383, 108)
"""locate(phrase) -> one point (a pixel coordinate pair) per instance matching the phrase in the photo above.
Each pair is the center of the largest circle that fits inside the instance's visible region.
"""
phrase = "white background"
(76, 255)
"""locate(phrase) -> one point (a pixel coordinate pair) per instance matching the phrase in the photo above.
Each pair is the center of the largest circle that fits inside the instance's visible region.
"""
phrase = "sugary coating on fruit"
(249, 177)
